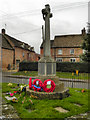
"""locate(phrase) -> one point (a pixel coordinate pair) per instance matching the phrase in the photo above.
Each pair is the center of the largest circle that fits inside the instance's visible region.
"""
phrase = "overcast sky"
(23, 19)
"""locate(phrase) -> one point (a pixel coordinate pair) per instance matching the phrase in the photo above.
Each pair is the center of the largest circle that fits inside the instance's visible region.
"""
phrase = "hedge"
(28, 66)
(63, 66)
(72, 67)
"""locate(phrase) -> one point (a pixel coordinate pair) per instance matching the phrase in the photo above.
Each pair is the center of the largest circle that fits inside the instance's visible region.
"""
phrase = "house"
(66, 48)
(15, 51)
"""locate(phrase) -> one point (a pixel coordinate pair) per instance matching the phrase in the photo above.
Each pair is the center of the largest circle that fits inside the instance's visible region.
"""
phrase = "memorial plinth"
(46, 67)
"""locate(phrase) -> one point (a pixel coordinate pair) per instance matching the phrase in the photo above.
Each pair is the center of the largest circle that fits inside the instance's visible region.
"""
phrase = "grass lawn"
(45, 108)
(83, 76)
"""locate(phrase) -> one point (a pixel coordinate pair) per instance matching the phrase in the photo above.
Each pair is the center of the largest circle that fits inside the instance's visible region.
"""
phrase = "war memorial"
(47, 84)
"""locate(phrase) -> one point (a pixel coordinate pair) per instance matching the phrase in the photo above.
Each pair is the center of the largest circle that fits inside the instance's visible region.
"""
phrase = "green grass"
(0, 89)
(83, 76)
(26, 73)
(45, 108)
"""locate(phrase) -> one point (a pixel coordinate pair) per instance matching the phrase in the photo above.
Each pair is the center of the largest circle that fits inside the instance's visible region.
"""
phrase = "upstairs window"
(72, 51)
(23, 54)
(60, 51)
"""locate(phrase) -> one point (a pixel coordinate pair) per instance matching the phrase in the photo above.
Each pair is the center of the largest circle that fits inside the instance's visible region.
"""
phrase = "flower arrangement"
(14, 100)
(9, 84)
(11, 94)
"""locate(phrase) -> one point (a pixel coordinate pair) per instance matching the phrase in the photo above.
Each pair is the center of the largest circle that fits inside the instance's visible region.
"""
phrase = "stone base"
(46, 66)
(50, 95)
(43, 78)
(59, 85)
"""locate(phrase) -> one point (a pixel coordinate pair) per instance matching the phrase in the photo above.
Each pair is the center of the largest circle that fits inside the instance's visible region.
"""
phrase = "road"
(26, 81)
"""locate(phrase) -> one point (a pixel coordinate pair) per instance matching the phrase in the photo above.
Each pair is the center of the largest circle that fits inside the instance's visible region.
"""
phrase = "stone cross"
(46, 16)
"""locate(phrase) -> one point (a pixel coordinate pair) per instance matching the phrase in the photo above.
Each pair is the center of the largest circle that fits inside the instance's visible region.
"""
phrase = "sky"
(23, 19)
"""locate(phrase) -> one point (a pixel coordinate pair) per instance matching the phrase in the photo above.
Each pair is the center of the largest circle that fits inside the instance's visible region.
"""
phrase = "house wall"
(65, 54)
(22, 54)
(7, 58)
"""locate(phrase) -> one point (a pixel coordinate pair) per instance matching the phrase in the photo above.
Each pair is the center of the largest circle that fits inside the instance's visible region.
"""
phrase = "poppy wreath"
(48, 89)
(40, 85)
(30, 83)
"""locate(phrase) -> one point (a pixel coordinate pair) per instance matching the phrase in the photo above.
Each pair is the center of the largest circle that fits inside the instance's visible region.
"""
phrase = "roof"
(51, 43)
(68, 41)
(16, 43)
(74, 40)
(5, 43)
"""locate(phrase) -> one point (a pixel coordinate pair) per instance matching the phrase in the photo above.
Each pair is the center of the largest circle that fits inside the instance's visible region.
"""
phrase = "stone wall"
(50, 95)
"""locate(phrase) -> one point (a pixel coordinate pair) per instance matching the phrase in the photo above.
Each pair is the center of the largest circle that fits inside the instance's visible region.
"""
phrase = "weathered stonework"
(50, 95)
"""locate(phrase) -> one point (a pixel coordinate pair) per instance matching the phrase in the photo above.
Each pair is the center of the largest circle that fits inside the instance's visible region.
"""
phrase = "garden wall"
(62, 67)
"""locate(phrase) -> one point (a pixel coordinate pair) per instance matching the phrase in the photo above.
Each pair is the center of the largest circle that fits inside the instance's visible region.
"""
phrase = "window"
(72, 51)
(59, 59)
(23, 54)
(17, 62)
(60, 51)
(72, 60)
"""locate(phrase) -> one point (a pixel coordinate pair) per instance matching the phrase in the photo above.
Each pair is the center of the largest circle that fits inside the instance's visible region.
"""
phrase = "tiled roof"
(68, 41)
(5, 43)
(17, 43)
(51, 43)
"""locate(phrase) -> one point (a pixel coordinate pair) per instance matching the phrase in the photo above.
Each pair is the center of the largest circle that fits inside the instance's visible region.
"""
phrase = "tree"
(86, 46)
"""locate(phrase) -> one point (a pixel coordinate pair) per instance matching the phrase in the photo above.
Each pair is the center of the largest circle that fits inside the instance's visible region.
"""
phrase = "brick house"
(66, 48)
(15, 51)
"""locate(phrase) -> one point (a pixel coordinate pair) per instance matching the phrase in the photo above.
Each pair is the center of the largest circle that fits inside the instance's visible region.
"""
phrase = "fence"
(73, 81)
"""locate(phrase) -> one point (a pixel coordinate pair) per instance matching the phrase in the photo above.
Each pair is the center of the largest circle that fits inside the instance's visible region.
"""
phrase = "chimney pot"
(3, 31)
(83, 31)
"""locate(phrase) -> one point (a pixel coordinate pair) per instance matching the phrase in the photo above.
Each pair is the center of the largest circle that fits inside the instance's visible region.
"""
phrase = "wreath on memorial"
(40, 85)
(30, 83)
(48, 89)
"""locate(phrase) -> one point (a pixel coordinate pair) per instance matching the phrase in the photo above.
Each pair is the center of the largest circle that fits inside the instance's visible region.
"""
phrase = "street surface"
(26, 81)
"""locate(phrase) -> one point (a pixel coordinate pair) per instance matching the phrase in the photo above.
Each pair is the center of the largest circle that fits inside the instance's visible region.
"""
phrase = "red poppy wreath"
(51, 89)
(40, 85)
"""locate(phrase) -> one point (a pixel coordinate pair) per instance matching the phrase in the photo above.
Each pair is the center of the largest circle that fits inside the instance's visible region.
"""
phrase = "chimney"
(3, 31)
(83, 31)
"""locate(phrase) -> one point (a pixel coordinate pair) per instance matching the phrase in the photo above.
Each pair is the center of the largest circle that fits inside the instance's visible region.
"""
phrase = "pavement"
(8, 111)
